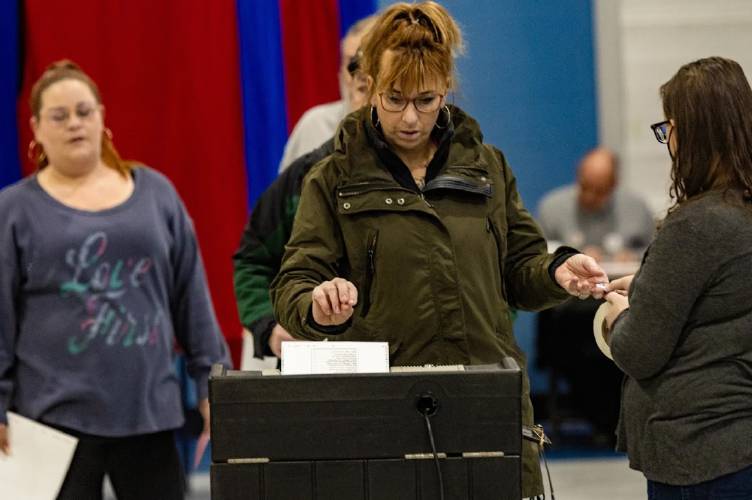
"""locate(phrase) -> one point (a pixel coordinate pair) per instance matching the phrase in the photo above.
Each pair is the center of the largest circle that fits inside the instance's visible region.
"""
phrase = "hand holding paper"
(39, 462)
(618, 303)
(4, 444)
(621, 285)
(605, 316)
(579, 275)
(203, 439)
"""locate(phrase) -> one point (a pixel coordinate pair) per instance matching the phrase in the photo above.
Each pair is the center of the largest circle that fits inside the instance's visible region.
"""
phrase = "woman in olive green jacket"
(413, 232)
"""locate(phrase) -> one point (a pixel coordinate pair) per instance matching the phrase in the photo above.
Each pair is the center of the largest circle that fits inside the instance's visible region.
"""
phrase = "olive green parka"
(437, 270)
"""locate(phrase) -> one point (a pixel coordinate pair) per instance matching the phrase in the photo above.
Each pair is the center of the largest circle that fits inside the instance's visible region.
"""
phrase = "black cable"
(548, 473)
(435, 455)
(537, 435)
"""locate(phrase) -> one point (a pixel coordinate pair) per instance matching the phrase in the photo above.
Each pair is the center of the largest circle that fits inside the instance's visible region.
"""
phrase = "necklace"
(420, 167)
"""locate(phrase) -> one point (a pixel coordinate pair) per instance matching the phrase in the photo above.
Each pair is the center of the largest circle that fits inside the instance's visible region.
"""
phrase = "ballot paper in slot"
(320, 358)
(38, 461)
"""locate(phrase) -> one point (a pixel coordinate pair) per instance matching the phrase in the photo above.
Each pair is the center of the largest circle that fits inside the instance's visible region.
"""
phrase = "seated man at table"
(318, 124)
(605, 221)
(614, 226)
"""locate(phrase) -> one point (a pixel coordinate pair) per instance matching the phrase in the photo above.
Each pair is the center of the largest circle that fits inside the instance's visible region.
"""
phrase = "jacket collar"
(357, 139)
(398, 169)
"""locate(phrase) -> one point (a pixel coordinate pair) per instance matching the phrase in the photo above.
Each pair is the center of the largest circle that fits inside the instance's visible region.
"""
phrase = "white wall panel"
(654, 40)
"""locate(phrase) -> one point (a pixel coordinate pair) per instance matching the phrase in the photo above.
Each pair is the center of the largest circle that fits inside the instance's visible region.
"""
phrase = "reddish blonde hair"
(422, 40)
(68, 70)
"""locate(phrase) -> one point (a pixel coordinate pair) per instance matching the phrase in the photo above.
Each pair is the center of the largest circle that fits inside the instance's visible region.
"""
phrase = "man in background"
(318, 124)
(262, 245)
(614, 226)
(606, 222)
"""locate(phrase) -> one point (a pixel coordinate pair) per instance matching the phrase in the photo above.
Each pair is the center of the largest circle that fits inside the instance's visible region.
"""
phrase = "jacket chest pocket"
(372, 213)
(351, 201)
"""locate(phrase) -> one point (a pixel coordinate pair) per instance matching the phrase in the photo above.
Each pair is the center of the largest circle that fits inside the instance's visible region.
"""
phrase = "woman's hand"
(333, 302)
(203, 409)
(617, 303)
(579, 275)
(279, 335)
(4, 444)
(621, 285)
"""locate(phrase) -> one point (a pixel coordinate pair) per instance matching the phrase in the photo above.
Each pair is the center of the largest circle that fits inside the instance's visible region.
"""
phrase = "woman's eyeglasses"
(60, 116)
(661, 130)
(396, 103)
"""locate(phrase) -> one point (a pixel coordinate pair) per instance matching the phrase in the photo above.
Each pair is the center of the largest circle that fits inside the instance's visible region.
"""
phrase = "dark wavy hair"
(710, 103)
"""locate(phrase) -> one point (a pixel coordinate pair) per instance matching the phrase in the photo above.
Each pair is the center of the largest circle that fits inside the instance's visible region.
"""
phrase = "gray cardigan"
(685, 344)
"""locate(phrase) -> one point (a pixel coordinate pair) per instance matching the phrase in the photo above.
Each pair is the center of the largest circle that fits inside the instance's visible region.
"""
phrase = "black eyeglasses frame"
(658, 130)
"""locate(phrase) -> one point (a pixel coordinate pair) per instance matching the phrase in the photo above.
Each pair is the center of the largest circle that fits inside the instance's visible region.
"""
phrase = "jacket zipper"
(423, 197)
(370, 273)
(459, 184)
(491, 228)
(358, 189)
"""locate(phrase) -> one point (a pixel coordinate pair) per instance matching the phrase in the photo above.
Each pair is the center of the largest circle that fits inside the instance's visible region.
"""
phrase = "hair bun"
(63, 64)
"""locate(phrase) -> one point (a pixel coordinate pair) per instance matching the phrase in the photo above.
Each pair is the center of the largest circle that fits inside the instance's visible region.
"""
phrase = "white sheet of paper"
(38, 461)
(309, 358)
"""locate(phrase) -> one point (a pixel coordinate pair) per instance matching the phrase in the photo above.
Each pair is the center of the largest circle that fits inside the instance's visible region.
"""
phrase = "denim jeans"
(736, 486)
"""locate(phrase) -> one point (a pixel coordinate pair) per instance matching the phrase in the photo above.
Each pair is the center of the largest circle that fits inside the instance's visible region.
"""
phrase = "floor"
(573, 479)
(596, 478)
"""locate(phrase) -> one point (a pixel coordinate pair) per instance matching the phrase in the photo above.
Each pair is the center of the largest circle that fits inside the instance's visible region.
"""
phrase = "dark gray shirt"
(685, 344)
(91, 304)
(625, 221)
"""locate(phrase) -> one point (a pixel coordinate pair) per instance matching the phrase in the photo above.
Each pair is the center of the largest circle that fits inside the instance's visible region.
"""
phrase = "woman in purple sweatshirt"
(100, 273)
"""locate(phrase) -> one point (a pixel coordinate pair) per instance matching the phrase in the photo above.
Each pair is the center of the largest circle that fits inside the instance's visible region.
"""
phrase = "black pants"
(140, 467)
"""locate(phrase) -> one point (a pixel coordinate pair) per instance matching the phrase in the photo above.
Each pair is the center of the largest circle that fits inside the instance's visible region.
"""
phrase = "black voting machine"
(365, 437)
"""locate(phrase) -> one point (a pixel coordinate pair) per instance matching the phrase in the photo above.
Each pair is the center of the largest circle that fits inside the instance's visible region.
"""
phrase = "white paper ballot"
(38, 461)
(309, 358)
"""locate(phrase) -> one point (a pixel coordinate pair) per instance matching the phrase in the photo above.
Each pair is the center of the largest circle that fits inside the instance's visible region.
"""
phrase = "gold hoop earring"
(448, 119)
(374, 113)
(31, 152)
(30, 149)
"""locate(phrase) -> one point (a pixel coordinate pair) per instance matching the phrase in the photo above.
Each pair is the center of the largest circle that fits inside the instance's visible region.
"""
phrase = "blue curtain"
(263, 88)
(263, 84)
(10, 167)
(353, 10)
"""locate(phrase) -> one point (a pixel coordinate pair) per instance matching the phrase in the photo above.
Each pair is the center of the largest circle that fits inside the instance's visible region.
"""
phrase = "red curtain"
(169, 78)
(310, 45)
